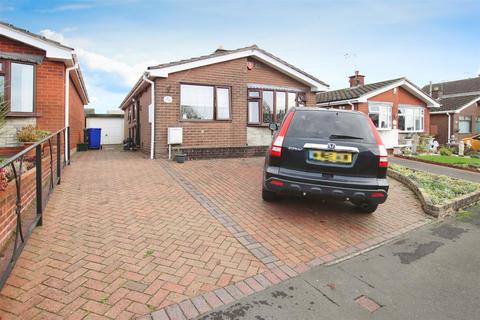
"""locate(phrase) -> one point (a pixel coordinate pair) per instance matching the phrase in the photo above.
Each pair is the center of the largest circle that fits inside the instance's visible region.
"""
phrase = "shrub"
(445, 151)
(439, 188)
(31, 134)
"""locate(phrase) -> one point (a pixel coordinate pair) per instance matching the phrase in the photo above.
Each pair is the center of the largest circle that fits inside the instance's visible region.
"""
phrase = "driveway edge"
(427, 205)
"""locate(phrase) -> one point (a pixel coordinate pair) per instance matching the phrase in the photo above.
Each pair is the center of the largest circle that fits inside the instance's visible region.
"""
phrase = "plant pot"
(31, 153)
(82, 147)
(180, 158)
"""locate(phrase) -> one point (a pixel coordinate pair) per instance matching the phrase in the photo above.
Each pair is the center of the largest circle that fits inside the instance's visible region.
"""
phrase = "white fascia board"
(52, 51)
(336, 103)
(443, 112)
(314, 85)
(139, 85)
(402, 83)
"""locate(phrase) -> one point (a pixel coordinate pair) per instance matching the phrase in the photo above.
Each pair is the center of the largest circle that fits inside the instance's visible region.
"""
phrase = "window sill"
(410, 131)
(205, 121)
(23, 114)
(258, 125)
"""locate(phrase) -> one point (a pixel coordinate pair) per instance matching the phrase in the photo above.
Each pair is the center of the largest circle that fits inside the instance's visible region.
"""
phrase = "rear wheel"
(269, 196)
(366, 207)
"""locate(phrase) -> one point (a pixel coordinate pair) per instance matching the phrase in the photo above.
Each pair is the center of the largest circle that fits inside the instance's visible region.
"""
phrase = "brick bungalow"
(43, 84)
(397, 107)
(223, 102)
(459, 113)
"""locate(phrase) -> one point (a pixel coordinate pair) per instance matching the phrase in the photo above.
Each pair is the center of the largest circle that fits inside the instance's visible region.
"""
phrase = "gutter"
(336, 103)
(67, 108)
(152, 105)
(449, 127)
(351, 104)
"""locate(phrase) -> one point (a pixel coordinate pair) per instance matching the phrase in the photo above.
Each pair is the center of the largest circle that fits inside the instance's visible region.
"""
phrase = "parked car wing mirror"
(273, 126)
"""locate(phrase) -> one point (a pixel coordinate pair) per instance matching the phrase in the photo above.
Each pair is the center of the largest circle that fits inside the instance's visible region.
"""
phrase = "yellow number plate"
(330, 156)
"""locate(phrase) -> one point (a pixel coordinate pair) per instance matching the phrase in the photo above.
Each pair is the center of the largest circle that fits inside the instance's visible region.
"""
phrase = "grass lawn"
(454, 160)
(439, 188)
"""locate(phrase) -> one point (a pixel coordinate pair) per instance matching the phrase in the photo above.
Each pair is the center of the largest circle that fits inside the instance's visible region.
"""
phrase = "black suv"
(328, 153)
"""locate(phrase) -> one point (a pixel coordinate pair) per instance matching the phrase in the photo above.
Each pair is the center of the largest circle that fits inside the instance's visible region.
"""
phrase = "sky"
(116, 40)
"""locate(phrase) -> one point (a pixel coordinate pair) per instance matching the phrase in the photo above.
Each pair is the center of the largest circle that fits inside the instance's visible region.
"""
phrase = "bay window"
(253, 112)
(381, 114)
(273, 103)
(410, 118)
(204, 102)
(267, 106)
(464, 124)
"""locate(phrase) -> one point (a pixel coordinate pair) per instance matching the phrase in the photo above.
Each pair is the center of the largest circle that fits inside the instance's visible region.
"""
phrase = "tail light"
(276, 149)
(383, 154)
(377, 195)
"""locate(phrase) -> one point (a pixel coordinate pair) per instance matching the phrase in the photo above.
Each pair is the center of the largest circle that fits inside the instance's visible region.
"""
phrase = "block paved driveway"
(125, 237)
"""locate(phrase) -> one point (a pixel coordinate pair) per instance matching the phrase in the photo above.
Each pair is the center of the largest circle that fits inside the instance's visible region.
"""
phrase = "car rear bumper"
(375, 194)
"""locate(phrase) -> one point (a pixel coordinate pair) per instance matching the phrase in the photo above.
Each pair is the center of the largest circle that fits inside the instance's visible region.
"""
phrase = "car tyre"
(366, 207)
(269, 196)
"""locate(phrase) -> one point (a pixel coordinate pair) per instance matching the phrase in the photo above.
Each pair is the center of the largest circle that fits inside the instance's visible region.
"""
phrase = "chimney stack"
(357, 79)
(220, 49)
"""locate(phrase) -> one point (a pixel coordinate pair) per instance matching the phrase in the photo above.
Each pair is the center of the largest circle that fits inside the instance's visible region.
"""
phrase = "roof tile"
(352, 93)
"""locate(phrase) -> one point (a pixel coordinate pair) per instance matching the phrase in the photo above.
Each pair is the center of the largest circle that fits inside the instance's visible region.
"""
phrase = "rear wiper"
(341, 136)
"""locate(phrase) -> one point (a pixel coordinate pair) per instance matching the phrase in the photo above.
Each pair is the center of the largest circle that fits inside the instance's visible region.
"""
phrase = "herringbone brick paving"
(296, 230)
(121, 238)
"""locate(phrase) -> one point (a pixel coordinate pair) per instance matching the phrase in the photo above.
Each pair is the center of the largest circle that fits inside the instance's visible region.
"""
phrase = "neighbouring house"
(459, 114)
(397, 107)
(223, 103)
(43, 86)
(111, 124)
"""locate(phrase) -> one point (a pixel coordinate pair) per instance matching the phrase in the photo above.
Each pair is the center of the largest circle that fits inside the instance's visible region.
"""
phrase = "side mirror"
(273, 126)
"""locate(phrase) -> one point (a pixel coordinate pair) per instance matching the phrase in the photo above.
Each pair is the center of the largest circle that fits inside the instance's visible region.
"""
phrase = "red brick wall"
(143, 102)
(50, 92)
(8, 217)
(401, 97)
(209, 133)
(472, 111)
(9, 45)
(439, 123)
(50, 95)
(264, 74)
(231, 133)
(77, 116)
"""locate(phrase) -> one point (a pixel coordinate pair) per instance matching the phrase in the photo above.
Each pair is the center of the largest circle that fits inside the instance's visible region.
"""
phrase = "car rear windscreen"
(331, 125)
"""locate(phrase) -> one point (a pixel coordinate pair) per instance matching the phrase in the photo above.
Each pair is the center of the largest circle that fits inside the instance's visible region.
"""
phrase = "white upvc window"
(22, 87)
(465, 124)
(381, 114)
(204, 102)
(411, 118)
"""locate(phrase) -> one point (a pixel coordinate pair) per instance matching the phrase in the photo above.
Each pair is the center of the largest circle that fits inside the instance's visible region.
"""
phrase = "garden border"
(437, 163)
(437, 211)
